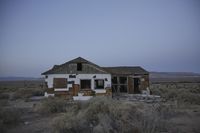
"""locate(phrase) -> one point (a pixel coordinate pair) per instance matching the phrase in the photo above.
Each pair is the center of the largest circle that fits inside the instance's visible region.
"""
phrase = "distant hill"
(174, 77)
(18, 78)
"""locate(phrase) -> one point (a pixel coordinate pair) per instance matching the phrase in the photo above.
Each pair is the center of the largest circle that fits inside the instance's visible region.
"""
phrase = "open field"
(179, 111)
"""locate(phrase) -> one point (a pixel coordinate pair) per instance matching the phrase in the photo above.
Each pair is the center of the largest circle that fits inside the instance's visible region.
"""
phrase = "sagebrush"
(102, 114)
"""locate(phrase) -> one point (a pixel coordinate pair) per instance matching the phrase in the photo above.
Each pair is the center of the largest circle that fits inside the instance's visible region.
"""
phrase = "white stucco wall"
(79, 77)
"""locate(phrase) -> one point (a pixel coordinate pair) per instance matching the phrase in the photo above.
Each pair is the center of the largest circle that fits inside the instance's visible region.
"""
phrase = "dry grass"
(9, 117)
(184, 93)
(102, 114)
(24, 93)
(21, 89)
(4, 96)
(52, 105)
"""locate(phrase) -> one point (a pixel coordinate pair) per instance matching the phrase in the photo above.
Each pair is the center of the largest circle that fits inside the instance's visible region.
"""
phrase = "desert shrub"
(183, 93)
(7, 89)
(4, 96)
(190, 98)
(102, 114)
(194, 89)
(3, 102)
(38, 92)
(171, 94)
(9, 117)
(52, 105)
(151, 123)
(4, 99)
(27, 93)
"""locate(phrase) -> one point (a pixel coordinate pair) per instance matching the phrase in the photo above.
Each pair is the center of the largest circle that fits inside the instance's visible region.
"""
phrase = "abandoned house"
(81, 79)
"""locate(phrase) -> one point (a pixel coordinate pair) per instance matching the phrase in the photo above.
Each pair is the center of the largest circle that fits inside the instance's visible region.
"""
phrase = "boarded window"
(99, 84)
(60, 83)
(86, 84)
(79, 66)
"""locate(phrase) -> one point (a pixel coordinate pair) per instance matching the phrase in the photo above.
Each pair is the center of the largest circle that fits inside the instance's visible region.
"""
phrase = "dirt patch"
(34, 124)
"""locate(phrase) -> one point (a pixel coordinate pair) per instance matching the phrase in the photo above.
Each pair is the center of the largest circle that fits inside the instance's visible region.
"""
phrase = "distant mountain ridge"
(174, 77)
(174, 74)
(19, 78)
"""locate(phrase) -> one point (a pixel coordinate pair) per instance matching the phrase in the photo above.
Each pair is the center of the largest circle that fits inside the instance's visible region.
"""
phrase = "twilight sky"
(159, 35)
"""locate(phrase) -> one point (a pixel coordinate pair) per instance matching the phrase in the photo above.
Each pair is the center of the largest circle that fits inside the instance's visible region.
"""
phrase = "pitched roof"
(65, 69)
(123, 70)
(79, 60)
(126, 70)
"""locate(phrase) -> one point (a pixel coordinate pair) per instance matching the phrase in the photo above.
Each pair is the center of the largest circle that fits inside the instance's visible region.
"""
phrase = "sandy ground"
(36, 124)
(188, 122)
(31, 122)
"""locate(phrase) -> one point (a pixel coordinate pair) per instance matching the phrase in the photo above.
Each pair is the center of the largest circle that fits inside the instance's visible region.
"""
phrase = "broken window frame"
(81, 84)
(96, 84)
(118, 85)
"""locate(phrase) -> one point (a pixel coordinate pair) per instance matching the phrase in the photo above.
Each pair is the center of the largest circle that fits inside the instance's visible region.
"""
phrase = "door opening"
(136, 85)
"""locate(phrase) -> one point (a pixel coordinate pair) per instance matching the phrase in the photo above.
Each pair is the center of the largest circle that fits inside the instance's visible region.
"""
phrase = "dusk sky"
(159, 35)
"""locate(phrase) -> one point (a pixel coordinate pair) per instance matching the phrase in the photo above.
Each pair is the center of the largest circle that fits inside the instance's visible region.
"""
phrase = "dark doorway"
(136, 85)
(119, 84)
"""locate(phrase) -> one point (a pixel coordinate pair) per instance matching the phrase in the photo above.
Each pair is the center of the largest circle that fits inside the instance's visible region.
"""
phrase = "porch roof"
(126, 70)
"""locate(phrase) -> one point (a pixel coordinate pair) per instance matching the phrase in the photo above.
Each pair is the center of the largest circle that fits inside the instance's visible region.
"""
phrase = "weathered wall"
(76, 80)
(144, 82)
(130, 85)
